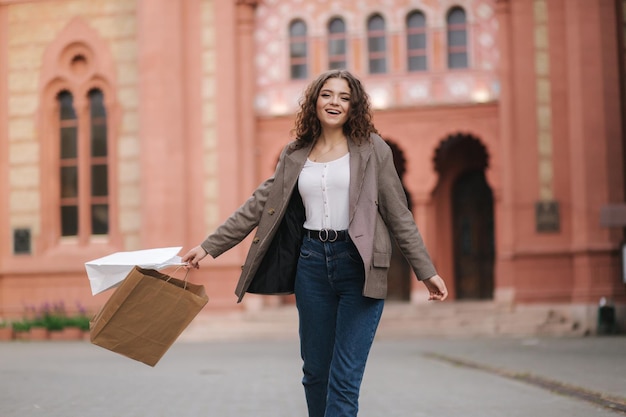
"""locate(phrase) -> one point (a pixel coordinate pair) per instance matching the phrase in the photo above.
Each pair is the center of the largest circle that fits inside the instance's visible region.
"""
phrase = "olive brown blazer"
(378, 208)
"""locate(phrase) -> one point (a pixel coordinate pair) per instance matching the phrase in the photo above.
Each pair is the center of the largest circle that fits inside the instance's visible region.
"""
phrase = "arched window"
(337, 44)
(84, 168)
(68, 133)
(298, 50)
(457, 38)
(79, 118)
(99, 164)
(416, 42)
(376, 45)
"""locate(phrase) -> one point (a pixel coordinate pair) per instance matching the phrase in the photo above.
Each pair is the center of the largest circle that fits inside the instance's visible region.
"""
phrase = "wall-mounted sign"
(21, 241)
(547, 218)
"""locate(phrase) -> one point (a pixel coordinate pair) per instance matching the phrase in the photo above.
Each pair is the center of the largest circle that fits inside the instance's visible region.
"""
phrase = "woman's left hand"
(436, 288)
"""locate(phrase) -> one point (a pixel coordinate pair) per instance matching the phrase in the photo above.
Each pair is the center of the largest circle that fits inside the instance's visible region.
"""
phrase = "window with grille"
(416, 42)
(457, 38)
(298, 50)
(337, 44)
(376, 45)
(99, 193)
(83, 176)
(68, 164)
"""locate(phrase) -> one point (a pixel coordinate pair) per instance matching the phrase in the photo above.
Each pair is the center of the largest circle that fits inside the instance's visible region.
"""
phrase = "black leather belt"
(327, 235)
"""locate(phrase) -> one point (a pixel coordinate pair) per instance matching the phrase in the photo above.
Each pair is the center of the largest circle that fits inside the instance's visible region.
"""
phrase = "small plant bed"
(51, 322)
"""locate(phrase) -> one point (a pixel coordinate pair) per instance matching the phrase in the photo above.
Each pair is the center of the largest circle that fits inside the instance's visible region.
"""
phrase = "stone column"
(161, 120)
(246, 92)
(504, 280)
(4, 136)
(595, 145)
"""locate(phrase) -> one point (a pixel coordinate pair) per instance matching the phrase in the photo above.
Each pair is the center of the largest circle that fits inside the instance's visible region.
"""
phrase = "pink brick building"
(128, 124)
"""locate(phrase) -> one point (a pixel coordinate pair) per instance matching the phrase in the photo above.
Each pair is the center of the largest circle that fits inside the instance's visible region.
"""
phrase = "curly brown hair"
(359, 124)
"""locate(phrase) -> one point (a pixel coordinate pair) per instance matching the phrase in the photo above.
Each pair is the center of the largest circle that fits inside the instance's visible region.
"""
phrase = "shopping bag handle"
(170, 276)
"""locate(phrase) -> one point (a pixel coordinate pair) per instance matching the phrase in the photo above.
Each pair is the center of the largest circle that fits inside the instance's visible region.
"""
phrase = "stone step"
(449, 319)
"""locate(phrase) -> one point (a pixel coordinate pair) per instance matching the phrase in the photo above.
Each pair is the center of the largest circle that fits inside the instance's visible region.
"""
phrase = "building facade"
(103, 105)
(509, 117)
(128, 124)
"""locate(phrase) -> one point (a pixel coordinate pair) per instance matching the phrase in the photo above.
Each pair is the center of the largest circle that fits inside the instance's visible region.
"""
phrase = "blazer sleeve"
(243, 221)
(239, 224)
(393, 208)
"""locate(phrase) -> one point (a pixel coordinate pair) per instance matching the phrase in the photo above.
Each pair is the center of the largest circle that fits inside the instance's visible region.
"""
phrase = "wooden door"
(473, 234)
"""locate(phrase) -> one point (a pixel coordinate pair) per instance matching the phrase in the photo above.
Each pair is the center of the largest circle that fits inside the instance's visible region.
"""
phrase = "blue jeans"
(337, 326)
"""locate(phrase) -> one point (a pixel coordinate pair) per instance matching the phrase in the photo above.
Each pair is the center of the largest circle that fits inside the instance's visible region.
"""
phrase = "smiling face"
(333, 103)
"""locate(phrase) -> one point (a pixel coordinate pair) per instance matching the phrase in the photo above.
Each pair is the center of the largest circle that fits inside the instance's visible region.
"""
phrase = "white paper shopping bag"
(109, 271)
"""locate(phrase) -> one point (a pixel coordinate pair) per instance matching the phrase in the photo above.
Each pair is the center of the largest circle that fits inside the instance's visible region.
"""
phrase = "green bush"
(53, 322)
(21, 326)
(80, 321)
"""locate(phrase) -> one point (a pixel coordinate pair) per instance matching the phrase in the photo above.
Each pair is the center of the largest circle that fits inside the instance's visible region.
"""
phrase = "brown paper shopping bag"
(146, 314)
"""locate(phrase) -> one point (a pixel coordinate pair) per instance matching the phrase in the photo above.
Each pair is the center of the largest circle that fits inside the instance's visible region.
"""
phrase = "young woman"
(323, 224)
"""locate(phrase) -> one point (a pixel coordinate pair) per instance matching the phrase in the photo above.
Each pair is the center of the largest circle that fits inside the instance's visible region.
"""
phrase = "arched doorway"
(461, 161)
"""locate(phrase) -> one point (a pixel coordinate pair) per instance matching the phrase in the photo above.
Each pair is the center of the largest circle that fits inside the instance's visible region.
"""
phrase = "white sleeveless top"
(324, 187)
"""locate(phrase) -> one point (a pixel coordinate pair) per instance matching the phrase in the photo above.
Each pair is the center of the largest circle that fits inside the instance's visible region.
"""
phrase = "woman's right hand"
(193, 257)
(437, 290)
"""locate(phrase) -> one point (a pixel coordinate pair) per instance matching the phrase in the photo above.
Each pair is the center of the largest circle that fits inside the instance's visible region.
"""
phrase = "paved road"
(406, 376)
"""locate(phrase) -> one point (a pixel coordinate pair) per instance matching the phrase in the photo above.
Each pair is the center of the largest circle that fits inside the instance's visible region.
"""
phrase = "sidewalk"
(584, 365)
(591, 365)
(228, 366)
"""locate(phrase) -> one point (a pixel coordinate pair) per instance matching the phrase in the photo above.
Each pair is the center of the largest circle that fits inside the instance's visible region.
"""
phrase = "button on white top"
(324, 188)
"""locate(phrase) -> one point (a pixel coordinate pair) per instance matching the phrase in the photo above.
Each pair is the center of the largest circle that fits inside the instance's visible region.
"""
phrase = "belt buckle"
(325, 235)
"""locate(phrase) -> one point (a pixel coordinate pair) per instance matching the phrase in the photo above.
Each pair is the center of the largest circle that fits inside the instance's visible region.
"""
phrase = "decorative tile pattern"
(400, 87)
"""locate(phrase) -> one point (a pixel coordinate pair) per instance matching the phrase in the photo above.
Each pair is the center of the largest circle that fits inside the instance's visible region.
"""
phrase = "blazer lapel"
(294, 162)
(359, 157)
